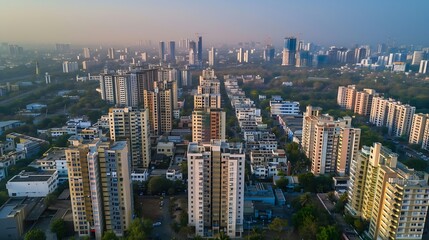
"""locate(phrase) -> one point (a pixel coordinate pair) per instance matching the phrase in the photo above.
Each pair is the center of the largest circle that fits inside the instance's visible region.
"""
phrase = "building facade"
(216, 188)
(390, 196)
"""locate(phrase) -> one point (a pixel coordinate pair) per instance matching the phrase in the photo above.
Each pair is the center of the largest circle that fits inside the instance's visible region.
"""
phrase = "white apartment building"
(216, 188)
(284, 108)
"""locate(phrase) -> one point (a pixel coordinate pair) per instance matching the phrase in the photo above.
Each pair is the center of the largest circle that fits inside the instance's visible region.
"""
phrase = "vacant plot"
(151, 207)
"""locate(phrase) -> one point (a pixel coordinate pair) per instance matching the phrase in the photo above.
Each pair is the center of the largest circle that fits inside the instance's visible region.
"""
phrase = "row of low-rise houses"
(400, 119)
(266, 159)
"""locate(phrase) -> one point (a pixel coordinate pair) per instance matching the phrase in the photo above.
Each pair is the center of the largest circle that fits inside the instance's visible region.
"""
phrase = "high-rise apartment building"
(348, 147)
(360, 53)
(111, 53)
(418, 126)
(399, 118)
(127, 89)
(159, 103)
(69, 67)
(216, 188)
(363, 101)
(208, 124)
(418, 56)
(390, 196)
(289, 51)
(212, 57)
(346, 96)
(425, 140)
(86, 53)
(424, 66)
(100, 187)
(303, 59)
(269, 53)
(329, 144)
(132, 125)
(379, 111)
(208, 119)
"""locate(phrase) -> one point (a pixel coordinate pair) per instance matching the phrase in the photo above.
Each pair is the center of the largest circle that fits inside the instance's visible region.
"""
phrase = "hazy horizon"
(110, 22)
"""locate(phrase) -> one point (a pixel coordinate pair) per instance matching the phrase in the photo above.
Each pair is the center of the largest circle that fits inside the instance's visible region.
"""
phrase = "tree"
(328, 233)
(282, 183)
(136, 231)
(59, 228)
(308, 229)
(304, 199)
(306, 180)
(278, 225)
(109, 235)
(158, 185)
(49, 199)
(35, 234)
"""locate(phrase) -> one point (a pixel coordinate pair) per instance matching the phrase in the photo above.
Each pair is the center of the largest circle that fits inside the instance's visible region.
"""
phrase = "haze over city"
(221, 120)
(127, 22)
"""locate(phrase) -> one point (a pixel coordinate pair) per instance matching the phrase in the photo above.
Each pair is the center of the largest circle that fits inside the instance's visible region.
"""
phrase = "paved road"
(164, 231)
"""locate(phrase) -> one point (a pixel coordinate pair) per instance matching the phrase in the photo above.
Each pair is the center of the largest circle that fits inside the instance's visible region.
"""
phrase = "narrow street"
(164, 231)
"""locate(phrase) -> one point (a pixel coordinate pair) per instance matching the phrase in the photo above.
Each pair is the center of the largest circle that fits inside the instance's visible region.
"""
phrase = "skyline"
(128, 22)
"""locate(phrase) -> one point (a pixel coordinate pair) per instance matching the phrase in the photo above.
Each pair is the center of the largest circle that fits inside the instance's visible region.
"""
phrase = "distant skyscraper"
(161, 53)
(172, 49)
(269, 53)
(303, 59)
(200, 50)
(111, 53)
(47, 78)
(37, 68)
(191, 60)
(212, 57)
(418, 56)
(86, 53)
(69, 67)
(216, 188)
(289, 52)
(424, 66)
(360, 53)
(246, 56)
(240, 55)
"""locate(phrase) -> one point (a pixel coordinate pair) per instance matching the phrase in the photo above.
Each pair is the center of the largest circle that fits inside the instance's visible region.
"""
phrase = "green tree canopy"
(59, 228)
(109, 235)
(328, 233)
(35, 234)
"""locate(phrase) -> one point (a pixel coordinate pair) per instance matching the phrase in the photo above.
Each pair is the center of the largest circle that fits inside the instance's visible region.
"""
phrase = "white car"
(156, 224)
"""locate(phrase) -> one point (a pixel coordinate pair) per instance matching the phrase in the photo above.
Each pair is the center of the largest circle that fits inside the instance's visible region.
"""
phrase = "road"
(164, 231)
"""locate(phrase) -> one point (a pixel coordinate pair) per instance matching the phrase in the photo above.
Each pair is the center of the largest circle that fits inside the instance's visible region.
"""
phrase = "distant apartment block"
(69, 67)
(329, 144)
(284, 108)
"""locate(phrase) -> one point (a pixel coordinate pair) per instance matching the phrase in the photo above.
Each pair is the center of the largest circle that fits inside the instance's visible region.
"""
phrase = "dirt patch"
(151, 208)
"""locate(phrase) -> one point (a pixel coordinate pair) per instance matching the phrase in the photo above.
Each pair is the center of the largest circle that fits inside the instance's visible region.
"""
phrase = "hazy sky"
(336, 22)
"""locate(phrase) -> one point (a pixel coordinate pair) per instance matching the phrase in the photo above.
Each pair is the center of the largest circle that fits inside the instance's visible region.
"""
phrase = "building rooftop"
(32, 176)
(7, 123)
